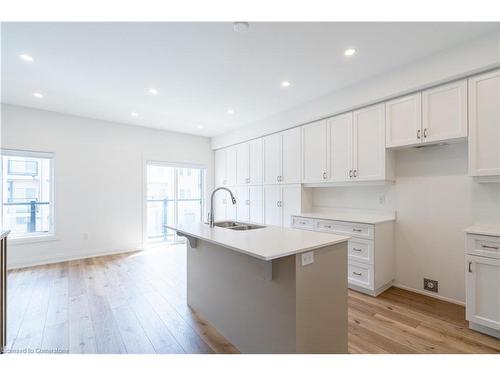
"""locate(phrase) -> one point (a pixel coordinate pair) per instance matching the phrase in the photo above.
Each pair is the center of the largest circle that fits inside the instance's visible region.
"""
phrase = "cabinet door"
(369, 143)
(272, 207)
(255, 152)
(292, 161)
(220, 167)
(403, 123)
(242, 171)
(484, 124)
(242, 204)
(256, 198)
(483, 291)
(272, 158)
(290, 203)
(230, 207)
(314, 152)
(340, 129)
(220, 202)
(444, 112)
(231, 166)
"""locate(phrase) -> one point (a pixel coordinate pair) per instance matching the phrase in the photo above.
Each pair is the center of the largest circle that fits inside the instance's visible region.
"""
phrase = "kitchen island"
(269, 289)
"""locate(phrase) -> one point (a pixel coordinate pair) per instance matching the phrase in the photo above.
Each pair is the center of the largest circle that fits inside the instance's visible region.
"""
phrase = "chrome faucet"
(211, 220)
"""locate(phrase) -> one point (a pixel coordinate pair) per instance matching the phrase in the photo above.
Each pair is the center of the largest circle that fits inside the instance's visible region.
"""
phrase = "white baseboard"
(429, 294)
(58, 258)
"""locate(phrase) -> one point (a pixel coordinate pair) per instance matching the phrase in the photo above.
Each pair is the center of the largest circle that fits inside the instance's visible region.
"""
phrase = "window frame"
(36, 236)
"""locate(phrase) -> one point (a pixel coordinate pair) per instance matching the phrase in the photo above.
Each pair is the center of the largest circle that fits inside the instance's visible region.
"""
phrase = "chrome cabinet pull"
(470, 265)
(328, 226)
(324, 175)
(356, 249)
(425, 133)
(302, 223)
(350, 173)
(490, 247)
(356, 230)
(357, 273)
(418, 134)
(354, 173)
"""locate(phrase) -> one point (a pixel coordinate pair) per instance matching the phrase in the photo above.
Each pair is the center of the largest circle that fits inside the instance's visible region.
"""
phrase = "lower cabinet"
(482, 280)
(250, 204)
(281, 202)
(370, 251)
(224, 209)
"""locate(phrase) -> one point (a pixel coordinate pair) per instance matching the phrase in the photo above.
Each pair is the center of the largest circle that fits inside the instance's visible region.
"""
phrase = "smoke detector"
(241, 27)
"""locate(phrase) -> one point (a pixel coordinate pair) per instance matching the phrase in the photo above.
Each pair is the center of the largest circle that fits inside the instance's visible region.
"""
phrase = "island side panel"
(232, 291)
(322, 301)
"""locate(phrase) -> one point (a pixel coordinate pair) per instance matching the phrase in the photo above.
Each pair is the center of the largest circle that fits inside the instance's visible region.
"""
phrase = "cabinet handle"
(490, 247)
(418, 134)
(355, 173)
(470, 265)
(302, 223)
(324, 175)
(356, 230)
(425, 133)
(281, 178)
(356, 249)
(350, 173)
(357, 273)
(328, 226)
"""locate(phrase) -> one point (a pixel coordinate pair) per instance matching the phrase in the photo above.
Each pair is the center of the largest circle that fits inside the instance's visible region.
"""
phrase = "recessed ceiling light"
(200, 126)
(230, 111)
(38, 95)
(153, 91)
(241, 27)
(350, 51)
(26, 57)
(134, 114)
(285, 83)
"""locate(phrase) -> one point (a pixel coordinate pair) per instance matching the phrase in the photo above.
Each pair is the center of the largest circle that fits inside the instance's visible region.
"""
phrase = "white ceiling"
(104, 70)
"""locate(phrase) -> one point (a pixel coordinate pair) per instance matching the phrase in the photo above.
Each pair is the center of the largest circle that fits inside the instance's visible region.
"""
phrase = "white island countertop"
(364, 217)
(267, 243)
(484, 229)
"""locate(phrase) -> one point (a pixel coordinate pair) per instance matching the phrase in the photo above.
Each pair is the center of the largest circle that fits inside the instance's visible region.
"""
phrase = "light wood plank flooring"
(136, 303)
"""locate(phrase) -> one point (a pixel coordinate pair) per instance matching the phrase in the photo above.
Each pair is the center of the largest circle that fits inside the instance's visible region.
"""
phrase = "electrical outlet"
(431, 285)
(308, 258)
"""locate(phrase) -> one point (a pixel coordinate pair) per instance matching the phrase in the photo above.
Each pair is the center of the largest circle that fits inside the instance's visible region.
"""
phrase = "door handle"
(470, 265)
(350, 173)
(357, 273)
(356, 249)
(418, 134)
(324, 175)
(425, 133)
(490, 247)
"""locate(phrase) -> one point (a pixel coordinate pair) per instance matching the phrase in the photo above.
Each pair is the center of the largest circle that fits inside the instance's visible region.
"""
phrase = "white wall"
(435, 201)
(99, 177)
(466, 59)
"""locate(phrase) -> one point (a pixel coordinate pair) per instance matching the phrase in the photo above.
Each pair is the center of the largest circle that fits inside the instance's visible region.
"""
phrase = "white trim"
(32, 239)
(429, 294)
(62, 257)
(27, 153)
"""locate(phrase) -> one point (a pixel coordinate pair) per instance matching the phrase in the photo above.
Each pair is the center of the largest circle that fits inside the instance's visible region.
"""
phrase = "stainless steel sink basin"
(246, 227)
(226, 224)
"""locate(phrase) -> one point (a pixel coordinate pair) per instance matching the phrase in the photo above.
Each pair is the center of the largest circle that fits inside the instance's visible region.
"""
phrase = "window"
(174, 195)
(27, 190)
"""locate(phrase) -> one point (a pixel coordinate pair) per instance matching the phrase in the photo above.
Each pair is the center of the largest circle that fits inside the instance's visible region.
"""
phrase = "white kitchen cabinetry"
(314, 152)
(357, 146)
(225, 166)
(370, 251)
(444, 112)
(249, 162)
(482, 271)
(281, 202)
(403, 123)
(250, 204)
(484, 124)
(282, 159)
(224, 209)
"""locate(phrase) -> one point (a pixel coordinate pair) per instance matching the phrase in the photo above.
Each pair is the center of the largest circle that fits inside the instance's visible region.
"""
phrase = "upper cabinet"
(444, 112)
(249, 162)
(433, 115)
(341, 147)
(484, 124)
(314, 152)
(403, 123)
(282, 159)
(225, 166)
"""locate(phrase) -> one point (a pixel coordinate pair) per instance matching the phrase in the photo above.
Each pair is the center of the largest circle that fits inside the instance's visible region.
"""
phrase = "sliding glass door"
(174, 196)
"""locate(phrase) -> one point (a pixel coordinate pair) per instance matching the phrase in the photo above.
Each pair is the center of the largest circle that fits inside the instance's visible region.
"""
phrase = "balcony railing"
(32, 210)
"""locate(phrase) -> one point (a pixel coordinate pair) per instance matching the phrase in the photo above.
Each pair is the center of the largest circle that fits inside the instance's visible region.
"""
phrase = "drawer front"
(359, 250)
(360, 274)
(345, 228)
(485, 246)
(302, 222)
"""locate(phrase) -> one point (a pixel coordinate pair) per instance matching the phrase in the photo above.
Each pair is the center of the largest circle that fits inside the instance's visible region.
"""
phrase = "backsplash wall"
(434, 200)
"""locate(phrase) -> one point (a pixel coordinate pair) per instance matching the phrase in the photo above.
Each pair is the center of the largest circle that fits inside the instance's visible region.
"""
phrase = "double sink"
(233, 225)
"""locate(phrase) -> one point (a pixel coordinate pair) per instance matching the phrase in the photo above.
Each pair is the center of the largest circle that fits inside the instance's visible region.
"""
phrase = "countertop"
(484, 229)
(267, 243)
(350, 216)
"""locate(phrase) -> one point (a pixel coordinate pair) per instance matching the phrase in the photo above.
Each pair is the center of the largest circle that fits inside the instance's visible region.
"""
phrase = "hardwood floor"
(136, 303)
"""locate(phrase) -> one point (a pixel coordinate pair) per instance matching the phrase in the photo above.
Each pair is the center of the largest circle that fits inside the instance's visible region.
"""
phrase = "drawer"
(359, 250)
(360, 274)
(485, 246)
(345, 228)
(302, 222)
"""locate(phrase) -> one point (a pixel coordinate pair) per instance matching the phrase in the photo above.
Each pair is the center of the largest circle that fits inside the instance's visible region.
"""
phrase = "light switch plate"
(308, 258)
